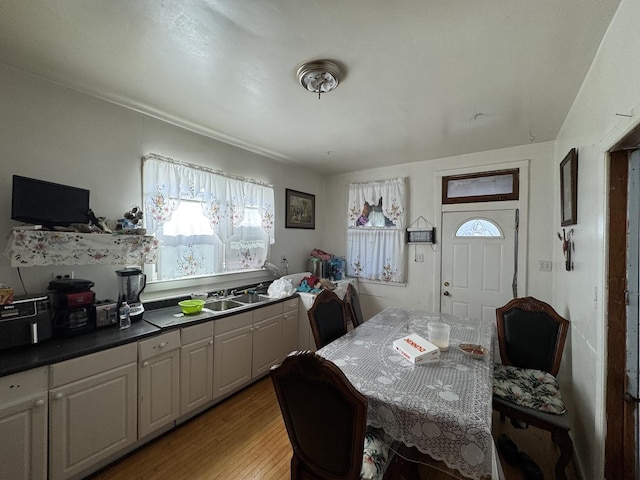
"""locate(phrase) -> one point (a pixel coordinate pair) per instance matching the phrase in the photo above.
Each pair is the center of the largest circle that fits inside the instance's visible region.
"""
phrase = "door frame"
(522, 204)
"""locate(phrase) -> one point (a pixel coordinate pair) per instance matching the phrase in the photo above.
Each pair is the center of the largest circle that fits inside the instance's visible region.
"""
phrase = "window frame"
(500, 197)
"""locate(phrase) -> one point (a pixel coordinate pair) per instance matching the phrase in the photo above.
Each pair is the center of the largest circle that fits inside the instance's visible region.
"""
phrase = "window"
(499, 185)
(479, 227)
(207, 222)
(376, 231)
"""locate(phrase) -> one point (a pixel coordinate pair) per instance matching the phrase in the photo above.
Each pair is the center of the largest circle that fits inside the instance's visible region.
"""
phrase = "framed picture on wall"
(300, 210)
(569, 189)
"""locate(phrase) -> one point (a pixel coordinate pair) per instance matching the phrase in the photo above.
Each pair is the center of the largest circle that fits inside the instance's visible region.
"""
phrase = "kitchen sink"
(222, 305)
(251, 298)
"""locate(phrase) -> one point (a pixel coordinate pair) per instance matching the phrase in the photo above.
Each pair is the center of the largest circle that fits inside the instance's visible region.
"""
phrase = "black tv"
(49, 204)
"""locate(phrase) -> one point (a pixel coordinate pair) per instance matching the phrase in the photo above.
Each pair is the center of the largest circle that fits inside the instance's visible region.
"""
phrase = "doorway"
(479, 250)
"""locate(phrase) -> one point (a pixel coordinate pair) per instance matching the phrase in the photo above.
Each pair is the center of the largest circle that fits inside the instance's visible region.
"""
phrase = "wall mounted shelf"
(28, 248)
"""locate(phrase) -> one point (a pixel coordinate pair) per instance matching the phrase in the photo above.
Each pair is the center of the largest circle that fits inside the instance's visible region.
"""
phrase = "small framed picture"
(300, 210)
(569, 189)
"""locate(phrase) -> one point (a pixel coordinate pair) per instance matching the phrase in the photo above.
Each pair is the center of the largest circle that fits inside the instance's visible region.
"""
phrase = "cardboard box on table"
(417, 350)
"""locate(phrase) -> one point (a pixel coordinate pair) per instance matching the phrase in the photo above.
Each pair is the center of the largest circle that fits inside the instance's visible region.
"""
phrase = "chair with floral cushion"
(531, 337)
(325, 418)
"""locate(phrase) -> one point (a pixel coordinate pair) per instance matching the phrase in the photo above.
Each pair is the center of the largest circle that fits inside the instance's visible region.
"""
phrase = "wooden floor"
(244, 438)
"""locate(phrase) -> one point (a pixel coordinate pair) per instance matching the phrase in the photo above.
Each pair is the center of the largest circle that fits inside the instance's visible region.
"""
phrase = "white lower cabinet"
(232, 345)
(289, 326)
(23, 425)
(158, 382)
(196, 367)
(267, 339)
(92, 410)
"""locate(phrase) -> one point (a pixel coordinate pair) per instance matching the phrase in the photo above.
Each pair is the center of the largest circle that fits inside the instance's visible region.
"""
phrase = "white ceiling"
(424, 79)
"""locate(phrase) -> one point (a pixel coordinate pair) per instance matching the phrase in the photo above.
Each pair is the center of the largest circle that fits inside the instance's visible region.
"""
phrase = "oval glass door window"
(479, 227)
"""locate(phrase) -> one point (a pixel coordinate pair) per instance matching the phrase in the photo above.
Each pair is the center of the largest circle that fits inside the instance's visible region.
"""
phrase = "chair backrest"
(352, 304)
(327, 317)
(325, 417)
(531, 334)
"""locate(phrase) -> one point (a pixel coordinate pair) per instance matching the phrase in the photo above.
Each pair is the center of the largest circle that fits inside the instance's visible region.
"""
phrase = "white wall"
(55, 134)
(611, 87)
(422, 287)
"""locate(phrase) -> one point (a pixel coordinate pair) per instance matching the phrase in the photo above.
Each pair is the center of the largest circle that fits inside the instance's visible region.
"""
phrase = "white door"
(478, 262)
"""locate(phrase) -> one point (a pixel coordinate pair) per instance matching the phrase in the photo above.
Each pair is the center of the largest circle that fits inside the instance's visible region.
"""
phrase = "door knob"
(446, 284)
(446, 294)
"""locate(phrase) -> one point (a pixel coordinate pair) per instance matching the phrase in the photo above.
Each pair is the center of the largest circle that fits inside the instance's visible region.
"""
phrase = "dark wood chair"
(328, 318)
(325, 418)
(532, 335)
(352, 304)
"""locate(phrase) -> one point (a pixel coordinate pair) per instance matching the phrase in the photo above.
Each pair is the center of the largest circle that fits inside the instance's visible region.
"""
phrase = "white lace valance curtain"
(225, 200)
(376, 220)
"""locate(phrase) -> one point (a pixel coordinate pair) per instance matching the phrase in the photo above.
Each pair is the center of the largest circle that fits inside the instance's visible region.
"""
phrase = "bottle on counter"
(125, 316)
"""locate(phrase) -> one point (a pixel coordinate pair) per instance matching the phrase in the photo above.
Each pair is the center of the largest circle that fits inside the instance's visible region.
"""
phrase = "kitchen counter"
(55, 350)
(155, 321)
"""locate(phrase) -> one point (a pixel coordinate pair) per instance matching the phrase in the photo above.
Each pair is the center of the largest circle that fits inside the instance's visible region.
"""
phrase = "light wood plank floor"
(244, 437)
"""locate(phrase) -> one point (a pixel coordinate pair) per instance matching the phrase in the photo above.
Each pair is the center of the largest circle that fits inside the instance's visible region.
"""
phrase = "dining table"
(443, 409)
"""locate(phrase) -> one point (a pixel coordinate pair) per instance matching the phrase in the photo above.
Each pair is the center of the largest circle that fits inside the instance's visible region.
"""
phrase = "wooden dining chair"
(531, 338)
(327, 317)
(325, 417)
(352, 304)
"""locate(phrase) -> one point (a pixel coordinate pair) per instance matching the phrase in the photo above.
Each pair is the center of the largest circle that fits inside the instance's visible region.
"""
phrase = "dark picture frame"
(569, 189)
(300, 210)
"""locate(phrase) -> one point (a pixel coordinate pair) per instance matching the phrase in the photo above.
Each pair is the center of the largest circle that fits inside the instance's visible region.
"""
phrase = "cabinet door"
(23, 439)
(91, 419)
(158, 391)
(196, 374)
(231, 360)
(267, 345)
(289, 332)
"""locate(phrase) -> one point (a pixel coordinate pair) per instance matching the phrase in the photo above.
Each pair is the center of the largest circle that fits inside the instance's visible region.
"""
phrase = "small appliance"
(131, 283)
(105, 313)
(70, 305)
(25, 321)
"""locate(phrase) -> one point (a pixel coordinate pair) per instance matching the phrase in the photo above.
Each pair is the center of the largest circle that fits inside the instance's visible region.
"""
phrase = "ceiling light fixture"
(319, 76)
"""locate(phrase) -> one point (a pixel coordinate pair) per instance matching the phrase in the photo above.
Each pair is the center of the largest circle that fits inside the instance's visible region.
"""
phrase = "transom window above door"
(499, 185)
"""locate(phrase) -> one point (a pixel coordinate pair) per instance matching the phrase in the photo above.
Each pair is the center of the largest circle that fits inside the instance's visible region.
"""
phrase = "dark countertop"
(155, 321)
(56, 350)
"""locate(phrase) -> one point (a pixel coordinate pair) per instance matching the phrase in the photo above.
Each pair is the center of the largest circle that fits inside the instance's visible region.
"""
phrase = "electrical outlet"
(544, 266)
(419, 257)
(62, 275)
(283, 259)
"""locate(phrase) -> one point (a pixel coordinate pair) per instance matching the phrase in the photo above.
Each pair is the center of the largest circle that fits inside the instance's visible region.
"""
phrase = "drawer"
(21, 385)
(290, 304)
(233, 322)
(157, 345)
(92, 364)
(197, 332)
(267, 312)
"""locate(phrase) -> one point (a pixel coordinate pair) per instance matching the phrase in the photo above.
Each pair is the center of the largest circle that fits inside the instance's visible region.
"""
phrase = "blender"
(131, 283)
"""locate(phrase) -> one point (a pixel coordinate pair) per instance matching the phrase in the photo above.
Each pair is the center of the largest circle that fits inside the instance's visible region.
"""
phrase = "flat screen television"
(49, 204)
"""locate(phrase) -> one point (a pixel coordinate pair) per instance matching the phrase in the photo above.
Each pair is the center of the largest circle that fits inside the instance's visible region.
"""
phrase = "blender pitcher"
(131, 283)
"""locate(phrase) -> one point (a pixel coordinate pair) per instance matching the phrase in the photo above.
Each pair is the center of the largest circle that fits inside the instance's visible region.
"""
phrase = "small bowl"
(473, 350)
(190, 307)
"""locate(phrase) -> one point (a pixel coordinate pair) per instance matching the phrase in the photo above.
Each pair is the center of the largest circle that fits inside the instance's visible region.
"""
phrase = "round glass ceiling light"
(319, 76)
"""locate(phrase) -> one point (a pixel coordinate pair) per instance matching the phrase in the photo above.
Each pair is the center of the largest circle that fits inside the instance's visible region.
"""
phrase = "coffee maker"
(131, 283)
(70, 306)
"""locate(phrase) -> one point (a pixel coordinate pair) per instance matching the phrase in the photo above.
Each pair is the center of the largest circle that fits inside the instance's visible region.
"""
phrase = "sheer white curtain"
(376, 230)
(231, 230)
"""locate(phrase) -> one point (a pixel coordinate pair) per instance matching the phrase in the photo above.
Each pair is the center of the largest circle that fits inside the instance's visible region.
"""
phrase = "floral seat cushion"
(528, 388)
(374, 457)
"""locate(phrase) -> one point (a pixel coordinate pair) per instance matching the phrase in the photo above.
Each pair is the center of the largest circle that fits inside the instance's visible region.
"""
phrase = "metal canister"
(314, 266)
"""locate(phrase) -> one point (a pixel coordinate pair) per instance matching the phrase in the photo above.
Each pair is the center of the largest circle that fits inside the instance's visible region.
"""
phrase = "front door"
(478, 262)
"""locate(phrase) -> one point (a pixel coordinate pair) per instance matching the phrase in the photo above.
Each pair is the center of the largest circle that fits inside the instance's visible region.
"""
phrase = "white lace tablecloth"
(28, 248)
(443, 409)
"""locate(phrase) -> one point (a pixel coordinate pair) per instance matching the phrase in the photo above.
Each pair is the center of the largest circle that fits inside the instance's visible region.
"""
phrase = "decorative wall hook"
(567, 247)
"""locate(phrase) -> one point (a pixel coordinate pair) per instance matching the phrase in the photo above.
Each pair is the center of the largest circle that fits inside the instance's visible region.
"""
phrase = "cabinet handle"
(145, 364)
(39, 403)
(58, 396)
(163, 344)
(210, 342)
